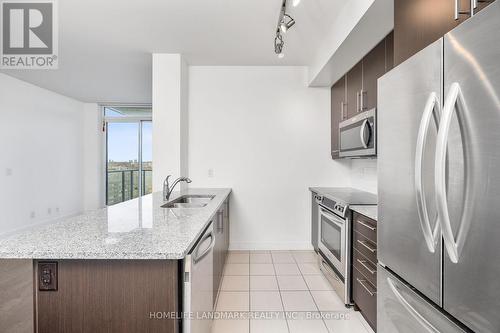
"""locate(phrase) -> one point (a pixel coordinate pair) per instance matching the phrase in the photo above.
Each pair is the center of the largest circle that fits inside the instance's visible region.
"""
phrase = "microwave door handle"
(362, 134)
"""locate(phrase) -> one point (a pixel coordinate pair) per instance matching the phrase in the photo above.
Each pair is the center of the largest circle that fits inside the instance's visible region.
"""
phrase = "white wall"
(41, 144)
(267, 136)
(364, 174)
(170, 133)
(94, 188)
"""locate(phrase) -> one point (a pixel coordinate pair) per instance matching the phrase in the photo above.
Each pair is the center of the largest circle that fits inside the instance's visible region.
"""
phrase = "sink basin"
(189, 201)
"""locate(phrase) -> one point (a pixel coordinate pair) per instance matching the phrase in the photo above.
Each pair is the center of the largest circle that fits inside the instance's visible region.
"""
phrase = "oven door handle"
(331, 217)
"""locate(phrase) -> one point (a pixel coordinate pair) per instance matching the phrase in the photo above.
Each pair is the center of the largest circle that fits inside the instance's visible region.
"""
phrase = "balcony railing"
(123, 185)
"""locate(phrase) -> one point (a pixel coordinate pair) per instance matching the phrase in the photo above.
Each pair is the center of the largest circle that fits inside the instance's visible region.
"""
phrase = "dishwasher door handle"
(197, 257)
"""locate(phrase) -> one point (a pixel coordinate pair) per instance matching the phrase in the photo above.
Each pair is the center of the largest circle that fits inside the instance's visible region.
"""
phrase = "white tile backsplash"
(364, 174)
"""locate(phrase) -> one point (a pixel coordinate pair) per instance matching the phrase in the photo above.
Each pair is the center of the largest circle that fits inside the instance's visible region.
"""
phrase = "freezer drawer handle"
(414, 313)
(430, 236)
(364, 264)
(198, 257)
(454, 101)
(369, 248)
(362, 283)
(366, 225)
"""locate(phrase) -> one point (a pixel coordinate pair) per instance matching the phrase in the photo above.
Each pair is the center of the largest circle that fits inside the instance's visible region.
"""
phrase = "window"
(129, 153)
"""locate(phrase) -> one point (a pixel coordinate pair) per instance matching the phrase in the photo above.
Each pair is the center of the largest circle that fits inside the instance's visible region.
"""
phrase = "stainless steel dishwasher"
(198, 285)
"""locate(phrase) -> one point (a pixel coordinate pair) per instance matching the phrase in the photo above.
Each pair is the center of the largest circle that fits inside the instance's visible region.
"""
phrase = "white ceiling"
(105, 46)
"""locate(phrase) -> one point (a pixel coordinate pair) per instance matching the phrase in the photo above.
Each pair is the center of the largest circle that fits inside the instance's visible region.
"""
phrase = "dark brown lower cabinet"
(221, 231)
(123, 296)
(364, 267)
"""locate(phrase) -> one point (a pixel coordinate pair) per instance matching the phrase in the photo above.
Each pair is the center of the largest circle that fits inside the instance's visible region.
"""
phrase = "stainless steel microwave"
(358, 135)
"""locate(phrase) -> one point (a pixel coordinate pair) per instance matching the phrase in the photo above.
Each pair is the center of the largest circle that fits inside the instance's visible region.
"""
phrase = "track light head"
(286, 23)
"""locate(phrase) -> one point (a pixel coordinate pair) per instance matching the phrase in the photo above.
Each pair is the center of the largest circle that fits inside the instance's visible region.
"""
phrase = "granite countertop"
(135, 229)
(349, 196)
(370, 211)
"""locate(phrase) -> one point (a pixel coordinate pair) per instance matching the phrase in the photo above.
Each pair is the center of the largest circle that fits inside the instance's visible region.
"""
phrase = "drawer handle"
(363, 263)
(361, 282)
(366, 225)
(371, 249)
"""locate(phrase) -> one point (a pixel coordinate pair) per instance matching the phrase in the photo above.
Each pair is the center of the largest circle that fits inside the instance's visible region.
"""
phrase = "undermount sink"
(189, 201)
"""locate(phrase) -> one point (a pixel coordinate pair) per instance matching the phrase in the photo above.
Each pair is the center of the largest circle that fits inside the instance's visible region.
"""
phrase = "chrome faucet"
(167, 188)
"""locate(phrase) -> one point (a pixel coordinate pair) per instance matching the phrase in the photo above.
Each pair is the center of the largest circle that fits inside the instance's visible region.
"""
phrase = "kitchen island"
(108, 270)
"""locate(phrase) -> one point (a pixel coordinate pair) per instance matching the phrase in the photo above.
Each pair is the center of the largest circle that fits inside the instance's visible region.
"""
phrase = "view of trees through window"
(129, 154)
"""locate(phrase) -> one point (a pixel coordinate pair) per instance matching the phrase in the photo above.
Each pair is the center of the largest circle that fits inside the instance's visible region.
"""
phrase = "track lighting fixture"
(285, 22)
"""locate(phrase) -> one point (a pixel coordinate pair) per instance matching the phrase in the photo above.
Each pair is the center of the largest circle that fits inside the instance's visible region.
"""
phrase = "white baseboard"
(270, 246)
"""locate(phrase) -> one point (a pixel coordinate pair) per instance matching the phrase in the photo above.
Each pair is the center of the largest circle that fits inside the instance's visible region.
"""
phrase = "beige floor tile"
(238, 258)
(265, 301)
(309, 268)
(268, 326)
(305, 256)
(263, 283)
(298, 301)
(287, 269)
(235, 283)
(317, 282)
(282, 257)
(233, 301)
(262, 269)
(351, 324)
(307, 325)
(236, 269)
(260, 258)
(328, 300)
(231, 326)
(291, 282)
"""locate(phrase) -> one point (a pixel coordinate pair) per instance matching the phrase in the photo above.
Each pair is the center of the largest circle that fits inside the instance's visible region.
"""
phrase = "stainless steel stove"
(334, 234)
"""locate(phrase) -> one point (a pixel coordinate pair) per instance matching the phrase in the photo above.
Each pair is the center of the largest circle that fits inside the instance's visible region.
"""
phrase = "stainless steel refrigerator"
(439, 184)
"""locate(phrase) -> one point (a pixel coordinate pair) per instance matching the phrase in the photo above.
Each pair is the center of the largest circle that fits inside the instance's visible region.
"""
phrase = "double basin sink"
(189, 201)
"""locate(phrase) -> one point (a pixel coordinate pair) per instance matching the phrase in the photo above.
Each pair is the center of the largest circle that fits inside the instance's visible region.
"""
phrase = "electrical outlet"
(8, 172)
(49, 211)
(47, 276)
(32, 214)
(210, 173)
(57, 209)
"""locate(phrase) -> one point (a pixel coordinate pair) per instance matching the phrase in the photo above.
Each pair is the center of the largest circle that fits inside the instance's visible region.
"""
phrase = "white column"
(170, 122)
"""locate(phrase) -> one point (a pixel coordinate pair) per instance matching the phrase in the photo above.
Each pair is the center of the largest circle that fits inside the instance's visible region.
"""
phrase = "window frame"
(134, 120)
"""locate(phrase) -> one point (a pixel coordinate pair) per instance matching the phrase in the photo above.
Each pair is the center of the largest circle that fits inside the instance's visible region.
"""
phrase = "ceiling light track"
(285, 22)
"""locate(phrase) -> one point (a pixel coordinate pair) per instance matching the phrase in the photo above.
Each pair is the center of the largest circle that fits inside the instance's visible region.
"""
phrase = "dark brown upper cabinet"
(373, 68)
(354, 80)
(356, 91)
(338, 114)
(419, 23)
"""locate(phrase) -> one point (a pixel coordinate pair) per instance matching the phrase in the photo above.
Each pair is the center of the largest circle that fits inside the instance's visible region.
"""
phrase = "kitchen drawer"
(364, 295)
(365, 246)
(364, 266)
(365, 226)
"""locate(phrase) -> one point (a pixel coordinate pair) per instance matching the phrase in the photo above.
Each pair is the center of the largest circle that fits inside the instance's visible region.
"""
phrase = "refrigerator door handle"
(414, 313)
(454, 101)
(430, 236)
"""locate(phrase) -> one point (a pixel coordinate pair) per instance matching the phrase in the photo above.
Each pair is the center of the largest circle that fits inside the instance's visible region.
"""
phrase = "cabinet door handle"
(362, 100)
(357, 101)
(369, 248)
(473, 5)
(366, 225)
(363, 263)
(361, 282)
(342, 110)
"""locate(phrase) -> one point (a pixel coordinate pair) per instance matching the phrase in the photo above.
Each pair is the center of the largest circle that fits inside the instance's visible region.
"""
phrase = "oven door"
(357, 135)
(332, 238)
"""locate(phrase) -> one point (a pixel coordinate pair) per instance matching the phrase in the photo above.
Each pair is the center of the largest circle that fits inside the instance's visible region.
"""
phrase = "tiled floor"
(280, 292)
